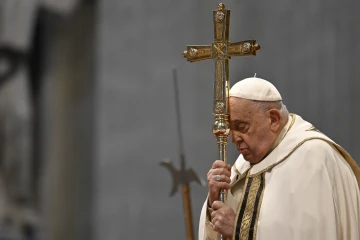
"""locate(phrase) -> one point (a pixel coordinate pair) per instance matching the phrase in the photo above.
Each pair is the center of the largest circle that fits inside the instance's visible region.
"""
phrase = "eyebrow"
(237, 122)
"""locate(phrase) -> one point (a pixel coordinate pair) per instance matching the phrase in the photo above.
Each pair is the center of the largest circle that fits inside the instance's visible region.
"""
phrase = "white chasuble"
(306, 188)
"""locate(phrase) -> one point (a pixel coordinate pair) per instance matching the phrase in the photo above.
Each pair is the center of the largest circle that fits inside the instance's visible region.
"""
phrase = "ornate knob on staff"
(221, 50)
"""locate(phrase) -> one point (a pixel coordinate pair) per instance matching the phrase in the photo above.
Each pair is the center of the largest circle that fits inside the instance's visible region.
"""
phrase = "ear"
(274, 120)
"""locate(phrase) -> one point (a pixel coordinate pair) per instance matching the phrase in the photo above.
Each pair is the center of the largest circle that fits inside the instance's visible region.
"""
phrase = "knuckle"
(214, 190)
(226, 172)
(228, 210)
(215, 226)
(224, 184)
(219, 163)
(220, 186)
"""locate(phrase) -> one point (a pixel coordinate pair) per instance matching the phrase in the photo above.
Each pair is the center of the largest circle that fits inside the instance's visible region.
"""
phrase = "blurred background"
(87, 109)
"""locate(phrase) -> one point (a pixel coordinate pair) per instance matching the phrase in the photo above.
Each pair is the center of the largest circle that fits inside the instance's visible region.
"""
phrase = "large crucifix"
(221, 50)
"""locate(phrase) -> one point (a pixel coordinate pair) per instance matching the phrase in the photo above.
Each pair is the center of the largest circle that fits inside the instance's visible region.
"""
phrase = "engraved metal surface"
(243, 48)
(193, 52)
(218, 31)
(221, 50)
(198, 52)
(219, 16)
(219, 80)
(219, 107)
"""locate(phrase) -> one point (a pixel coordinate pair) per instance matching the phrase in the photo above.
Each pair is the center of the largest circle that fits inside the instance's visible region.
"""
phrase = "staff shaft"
(187, 212)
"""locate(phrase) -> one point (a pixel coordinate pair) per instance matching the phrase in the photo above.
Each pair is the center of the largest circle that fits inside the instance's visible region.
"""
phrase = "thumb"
(217, 204)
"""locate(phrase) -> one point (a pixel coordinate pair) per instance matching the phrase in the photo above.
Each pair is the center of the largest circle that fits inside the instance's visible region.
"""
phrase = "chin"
(250, 159)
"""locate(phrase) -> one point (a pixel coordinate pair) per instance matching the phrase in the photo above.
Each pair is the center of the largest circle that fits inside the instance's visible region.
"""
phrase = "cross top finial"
(221, 6)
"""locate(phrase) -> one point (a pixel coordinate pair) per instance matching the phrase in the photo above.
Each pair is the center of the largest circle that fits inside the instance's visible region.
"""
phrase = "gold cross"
(218, 47)
(221, 50)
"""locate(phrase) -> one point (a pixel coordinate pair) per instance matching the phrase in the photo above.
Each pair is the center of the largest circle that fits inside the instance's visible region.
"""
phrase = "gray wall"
(67, 121)
(310, 51)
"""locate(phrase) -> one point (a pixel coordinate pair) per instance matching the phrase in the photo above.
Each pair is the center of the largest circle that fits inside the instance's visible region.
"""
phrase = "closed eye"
(239, 126)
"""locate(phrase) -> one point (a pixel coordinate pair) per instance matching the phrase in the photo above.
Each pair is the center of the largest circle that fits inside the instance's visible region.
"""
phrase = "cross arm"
(243, 48)
(195, 53)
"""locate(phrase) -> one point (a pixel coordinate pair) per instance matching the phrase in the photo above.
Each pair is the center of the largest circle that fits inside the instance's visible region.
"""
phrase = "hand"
(222, 169)
(223, 219)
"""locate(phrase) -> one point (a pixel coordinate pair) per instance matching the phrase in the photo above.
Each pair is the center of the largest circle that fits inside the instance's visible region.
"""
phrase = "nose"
(236, 137)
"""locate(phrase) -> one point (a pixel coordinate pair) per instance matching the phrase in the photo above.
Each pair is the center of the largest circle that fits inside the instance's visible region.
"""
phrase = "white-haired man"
(290, 180)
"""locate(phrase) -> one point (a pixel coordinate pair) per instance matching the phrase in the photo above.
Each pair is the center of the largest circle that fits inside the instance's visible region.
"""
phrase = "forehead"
(240, 109)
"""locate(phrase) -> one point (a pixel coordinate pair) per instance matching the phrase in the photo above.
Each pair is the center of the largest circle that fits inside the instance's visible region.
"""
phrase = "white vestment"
(304, 189)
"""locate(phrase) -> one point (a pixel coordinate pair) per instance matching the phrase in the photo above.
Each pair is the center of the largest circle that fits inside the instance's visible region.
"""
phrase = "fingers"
(219, 171)
(220, 168)
(218, 213)
(215, 173)
(214, 180)
(223, 226)
(214, 221)
(217, 220)
(221, 164)
(217, 205)
(218, 178)
(223, 218)
(223, 182)
(216, 186)
(210, 211)
(214, 216)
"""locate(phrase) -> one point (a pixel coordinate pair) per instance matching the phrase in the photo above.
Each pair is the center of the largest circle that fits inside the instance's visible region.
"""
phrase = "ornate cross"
(221, 50)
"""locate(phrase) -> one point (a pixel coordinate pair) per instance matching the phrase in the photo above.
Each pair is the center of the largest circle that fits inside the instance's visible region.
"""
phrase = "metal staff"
(184, 176)
(221, 50)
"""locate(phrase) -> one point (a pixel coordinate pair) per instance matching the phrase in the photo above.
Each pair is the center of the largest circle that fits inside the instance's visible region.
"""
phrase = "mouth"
(243, 150)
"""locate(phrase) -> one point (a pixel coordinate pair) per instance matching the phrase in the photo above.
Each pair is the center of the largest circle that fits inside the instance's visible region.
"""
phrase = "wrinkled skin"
(222, 169)
(254, 132)
(223, 218)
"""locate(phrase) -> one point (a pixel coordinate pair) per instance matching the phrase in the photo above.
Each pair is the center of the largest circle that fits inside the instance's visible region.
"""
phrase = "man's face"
(250, 129)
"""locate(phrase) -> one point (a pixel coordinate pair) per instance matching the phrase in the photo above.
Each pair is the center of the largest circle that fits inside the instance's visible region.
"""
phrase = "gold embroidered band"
(249, 208)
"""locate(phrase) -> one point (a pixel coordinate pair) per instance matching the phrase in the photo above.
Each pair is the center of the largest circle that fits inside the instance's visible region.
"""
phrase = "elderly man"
(290, 181)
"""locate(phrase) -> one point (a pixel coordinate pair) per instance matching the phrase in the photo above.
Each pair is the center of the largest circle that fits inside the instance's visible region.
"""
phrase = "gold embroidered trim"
(250, 209)
(241, 176)
(354, 166)
(313, 128)
(293, 117)
(239, 207)
(237, 171)
(293, 150)
(258, 210)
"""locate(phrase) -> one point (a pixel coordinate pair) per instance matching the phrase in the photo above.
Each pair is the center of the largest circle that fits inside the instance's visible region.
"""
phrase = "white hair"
(278, 105)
